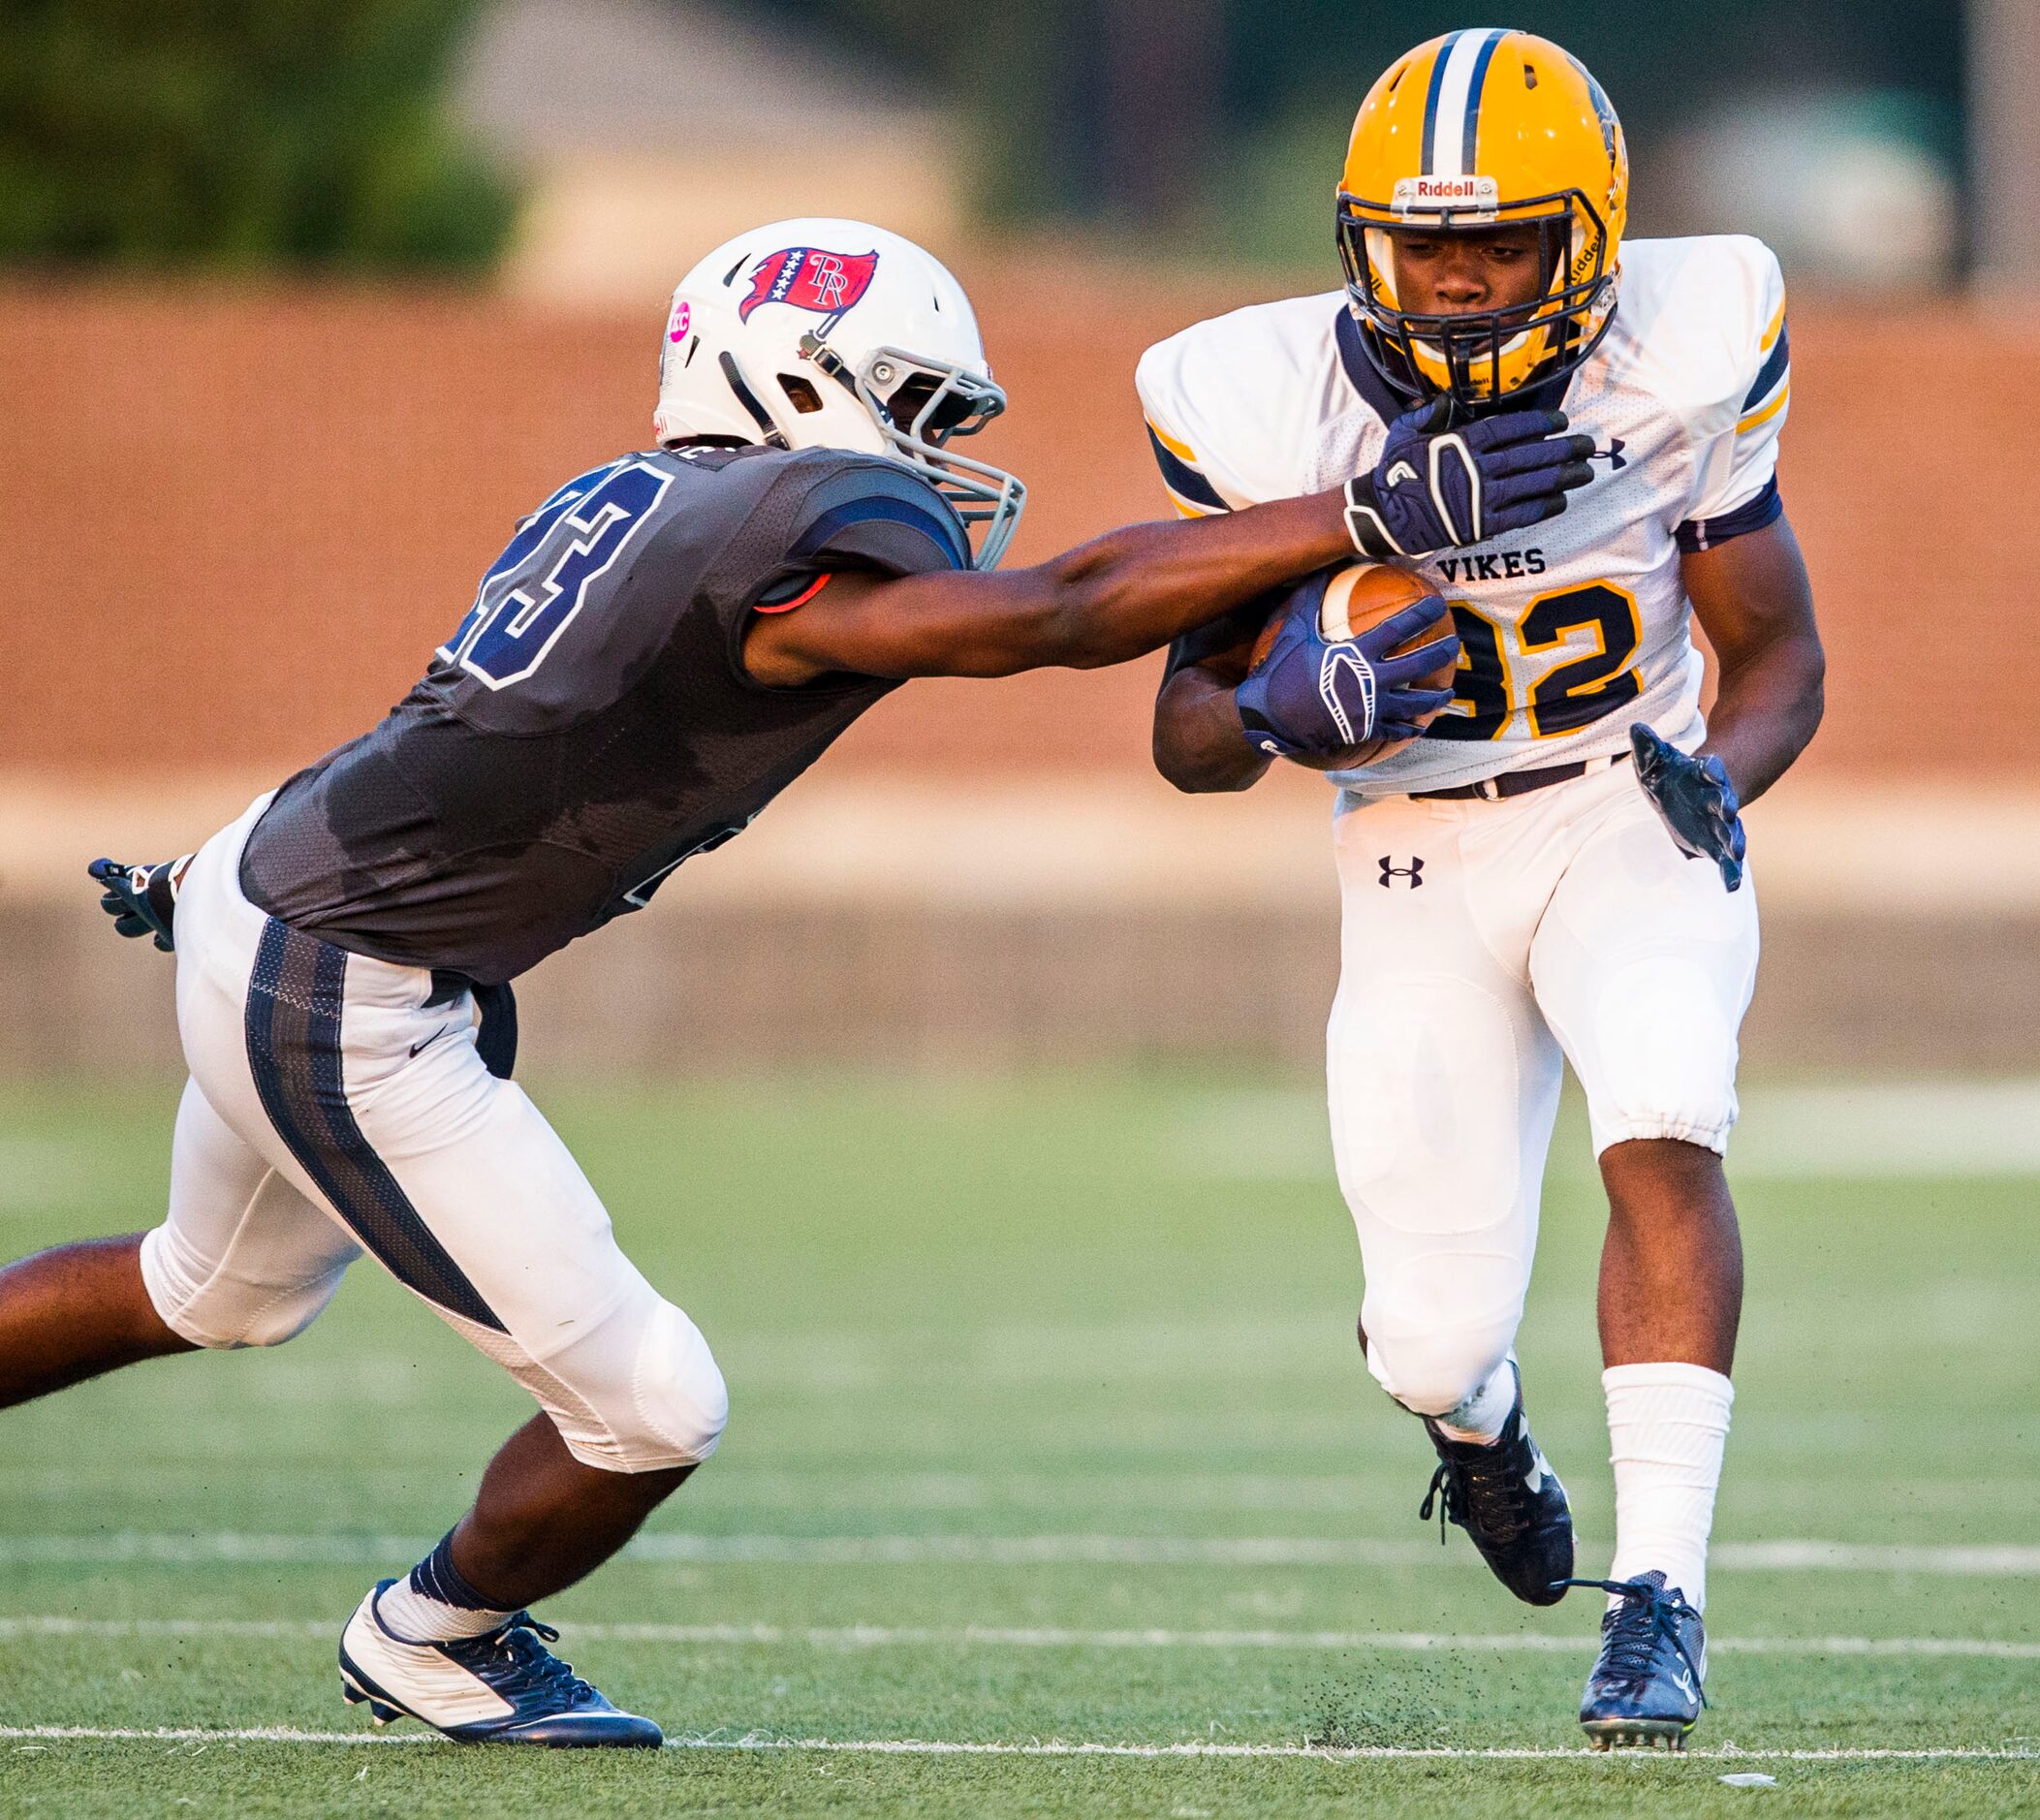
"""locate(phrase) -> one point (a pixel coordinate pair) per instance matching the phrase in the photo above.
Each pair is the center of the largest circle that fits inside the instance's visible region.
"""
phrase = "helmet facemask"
(1479, 358)
(918, 404)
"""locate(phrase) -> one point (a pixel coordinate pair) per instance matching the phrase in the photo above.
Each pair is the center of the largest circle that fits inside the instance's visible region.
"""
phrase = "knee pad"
(678, 1388)
(1434, 1375)
(642, 1393)
(222, 1311)
(1437, 1328)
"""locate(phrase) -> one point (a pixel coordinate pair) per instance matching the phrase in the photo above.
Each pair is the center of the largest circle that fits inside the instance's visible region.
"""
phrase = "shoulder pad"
(866, 509)
(1707, 317)
(1234, 404)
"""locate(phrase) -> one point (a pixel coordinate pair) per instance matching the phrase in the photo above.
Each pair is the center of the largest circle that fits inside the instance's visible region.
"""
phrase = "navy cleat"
(1507, 1498)
(502, 1688)
(1647, 1684)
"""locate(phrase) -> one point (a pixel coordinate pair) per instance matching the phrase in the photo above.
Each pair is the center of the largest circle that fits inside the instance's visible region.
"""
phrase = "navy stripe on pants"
(294, 1002)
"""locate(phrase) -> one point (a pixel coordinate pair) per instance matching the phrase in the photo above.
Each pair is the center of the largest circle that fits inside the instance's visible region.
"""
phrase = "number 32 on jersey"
(1595, 628)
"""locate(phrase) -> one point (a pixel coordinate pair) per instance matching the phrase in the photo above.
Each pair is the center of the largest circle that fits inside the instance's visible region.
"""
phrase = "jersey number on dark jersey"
(534, 590)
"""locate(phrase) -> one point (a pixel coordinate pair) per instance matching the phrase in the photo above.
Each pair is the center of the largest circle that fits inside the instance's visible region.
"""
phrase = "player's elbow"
(1176, 767)
(1201, 774)
(1813, 683)
(1198, 757)
(1805, 678)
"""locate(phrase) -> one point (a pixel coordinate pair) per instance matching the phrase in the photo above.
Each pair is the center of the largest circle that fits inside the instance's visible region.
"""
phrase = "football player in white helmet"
(664, 645)
(1554, 871)
(877, 349)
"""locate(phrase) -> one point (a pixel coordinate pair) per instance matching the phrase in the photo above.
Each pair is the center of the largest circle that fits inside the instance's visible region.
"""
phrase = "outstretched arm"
(1117, 597)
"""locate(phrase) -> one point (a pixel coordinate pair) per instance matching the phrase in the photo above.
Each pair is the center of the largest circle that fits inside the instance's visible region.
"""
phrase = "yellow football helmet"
(1474, 130)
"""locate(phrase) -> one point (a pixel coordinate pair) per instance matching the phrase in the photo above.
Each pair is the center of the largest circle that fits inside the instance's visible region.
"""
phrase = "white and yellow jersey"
(1574, 628)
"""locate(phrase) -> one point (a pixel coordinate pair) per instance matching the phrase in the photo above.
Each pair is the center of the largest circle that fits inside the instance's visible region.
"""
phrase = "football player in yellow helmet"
(1502, 143)
(1573, 438)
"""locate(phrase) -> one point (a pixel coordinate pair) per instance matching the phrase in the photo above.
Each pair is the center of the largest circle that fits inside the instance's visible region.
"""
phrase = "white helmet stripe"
(1466, 60)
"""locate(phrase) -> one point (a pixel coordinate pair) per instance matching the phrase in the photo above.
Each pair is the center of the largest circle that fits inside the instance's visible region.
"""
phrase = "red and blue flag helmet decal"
(810, 278)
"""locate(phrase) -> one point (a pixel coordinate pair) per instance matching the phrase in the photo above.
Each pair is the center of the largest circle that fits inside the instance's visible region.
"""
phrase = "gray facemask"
(946, 400)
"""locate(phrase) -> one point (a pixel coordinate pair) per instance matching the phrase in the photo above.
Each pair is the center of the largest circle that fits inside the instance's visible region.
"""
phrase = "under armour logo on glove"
(1440, 489)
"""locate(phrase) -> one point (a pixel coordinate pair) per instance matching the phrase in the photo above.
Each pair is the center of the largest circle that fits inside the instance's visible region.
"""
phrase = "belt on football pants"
(1519, 783)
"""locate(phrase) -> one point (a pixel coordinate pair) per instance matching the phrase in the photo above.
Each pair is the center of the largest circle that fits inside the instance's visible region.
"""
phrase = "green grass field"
(1048, 1432)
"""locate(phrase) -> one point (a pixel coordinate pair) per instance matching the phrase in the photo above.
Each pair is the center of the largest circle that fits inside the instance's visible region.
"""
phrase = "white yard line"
(1033, 1747)
(2007, 1559)
(1046, 1637)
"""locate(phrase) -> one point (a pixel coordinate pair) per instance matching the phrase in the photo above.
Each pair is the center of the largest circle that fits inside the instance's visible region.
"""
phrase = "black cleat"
(1505, 1495)
(1648, 1683)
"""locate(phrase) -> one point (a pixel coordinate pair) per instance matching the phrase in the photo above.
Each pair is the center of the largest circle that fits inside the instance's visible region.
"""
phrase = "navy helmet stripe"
(1773, 369)
(292, 1030)
(1473, 101)
(1431, 101)
(1181, 478)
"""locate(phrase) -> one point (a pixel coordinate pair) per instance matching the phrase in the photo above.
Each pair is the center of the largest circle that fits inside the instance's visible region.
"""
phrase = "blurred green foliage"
(313, 132)
(1253, 147)
(238, 133)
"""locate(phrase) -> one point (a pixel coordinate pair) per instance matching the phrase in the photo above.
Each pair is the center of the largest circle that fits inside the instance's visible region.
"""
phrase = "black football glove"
(142, 899)
(1696, 799)
(1440, 489)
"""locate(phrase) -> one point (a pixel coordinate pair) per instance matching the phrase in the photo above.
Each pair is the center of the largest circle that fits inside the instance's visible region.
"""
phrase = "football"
(1359, 595)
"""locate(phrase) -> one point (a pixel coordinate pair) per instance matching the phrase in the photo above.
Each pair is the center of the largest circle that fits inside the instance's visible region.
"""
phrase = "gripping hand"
(1438, 488)
(1314, 697)
(1696, 799)
(142, 899)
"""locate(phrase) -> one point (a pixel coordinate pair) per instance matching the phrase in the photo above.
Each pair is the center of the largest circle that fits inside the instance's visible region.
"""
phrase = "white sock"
(434, 1604)
(417, 1618)
(1667, 1424)
(1480, 1416)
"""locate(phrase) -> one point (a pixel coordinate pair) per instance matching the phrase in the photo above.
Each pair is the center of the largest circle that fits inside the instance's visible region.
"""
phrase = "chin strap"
(767, 431)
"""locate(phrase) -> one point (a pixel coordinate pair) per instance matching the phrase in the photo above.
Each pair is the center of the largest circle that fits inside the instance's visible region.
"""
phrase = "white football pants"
(1482, 941)
(332, 1107)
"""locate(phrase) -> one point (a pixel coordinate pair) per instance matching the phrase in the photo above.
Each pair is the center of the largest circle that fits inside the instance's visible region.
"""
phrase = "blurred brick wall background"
(244, 517)
(236, 522)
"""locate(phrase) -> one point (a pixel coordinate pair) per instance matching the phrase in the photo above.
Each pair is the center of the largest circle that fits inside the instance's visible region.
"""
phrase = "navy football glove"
(1696, 799)
(1439, 488)
(1314, 697)
(142, 899)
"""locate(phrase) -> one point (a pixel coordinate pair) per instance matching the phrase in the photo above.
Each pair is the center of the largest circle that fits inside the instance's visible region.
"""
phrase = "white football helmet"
(819, 333)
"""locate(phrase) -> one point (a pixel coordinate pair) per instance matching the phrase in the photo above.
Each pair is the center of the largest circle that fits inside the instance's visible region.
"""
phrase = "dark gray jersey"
(591, 724)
